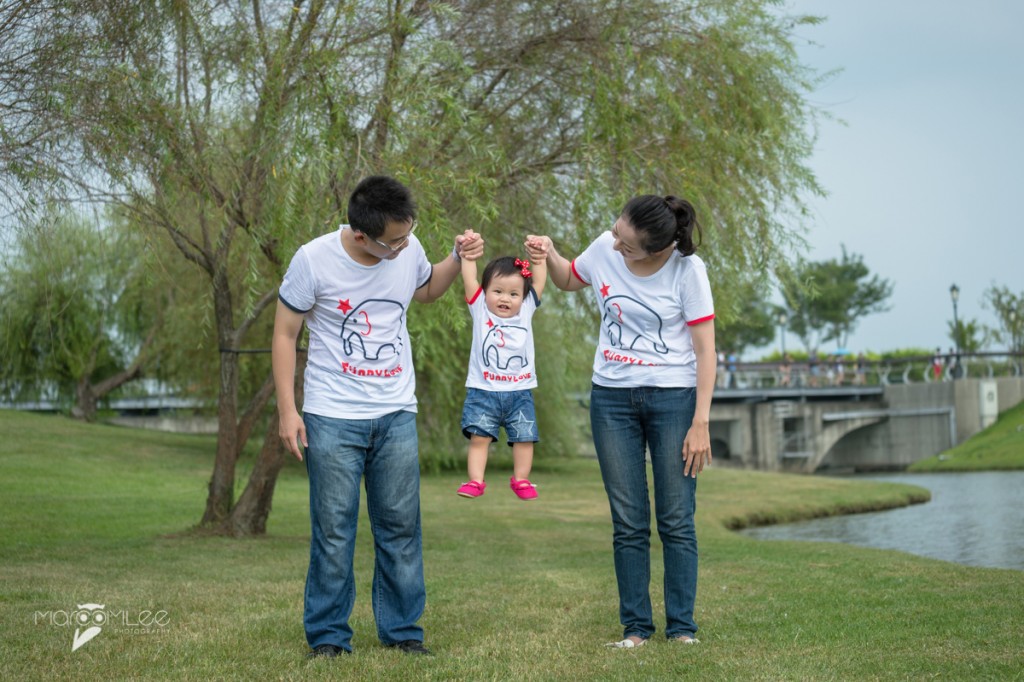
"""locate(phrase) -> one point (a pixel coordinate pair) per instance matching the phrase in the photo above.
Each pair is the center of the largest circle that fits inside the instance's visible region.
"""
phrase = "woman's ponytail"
(663, 221)
(686, 223)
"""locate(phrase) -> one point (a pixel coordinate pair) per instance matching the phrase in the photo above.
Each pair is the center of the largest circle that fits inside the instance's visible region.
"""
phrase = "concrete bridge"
(862, 428)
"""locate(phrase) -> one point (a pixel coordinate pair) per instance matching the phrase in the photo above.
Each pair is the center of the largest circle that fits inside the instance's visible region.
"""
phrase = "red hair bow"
(525, 265)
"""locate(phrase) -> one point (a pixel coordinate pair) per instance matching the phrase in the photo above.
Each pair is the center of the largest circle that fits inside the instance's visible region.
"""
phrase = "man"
(352, 288)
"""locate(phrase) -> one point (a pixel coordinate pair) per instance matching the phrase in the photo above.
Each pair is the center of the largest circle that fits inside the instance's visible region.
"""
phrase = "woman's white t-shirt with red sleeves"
(645, 337)
(360, 361)
(501, 358)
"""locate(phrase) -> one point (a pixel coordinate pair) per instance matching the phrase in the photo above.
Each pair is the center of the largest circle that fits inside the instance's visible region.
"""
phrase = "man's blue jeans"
(341, 452)
(625, 422)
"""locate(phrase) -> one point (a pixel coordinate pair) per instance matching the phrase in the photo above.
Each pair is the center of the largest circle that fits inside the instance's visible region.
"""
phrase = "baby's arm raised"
(469, 277)
(539, 268)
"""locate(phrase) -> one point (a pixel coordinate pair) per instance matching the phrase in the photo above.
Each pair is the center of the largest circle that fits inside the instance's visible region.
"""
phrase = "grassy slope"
(515, 590)
(1000, 446)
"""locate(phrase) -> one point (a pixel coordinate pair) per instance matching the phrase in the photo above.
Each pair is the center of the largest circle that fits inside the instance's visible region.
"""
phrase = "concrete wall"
(902, 440)
(895, 443)
(732, 427)
(1011, 392)
(753, 434)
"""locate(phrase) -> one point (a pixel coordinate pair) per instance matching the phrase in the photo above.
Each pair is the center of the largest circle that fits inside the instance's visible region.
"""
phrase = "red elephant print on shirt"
(629, 322)
(373, 329)
(498, 342)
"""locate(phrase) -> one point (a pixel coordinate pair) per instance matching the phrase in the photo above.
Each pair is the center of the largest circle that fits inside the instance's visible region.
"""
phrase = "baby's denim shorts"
(485, 411)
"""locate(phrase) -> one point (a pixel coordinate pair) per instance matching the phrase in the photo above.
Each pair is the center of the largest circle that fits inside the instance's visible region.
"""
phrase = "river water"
(975, 518)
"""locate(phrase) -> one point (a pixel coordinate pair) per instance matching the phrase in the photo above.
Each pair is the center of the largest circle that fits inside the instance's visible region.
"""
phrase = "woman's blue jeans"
(341, 453)
(625, 423)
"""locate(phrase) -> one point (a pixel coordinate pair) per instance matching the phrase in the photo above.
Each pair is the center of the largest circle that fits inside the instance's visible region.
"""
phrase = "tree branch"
(253, 410)
(261, 305)
(261, 34)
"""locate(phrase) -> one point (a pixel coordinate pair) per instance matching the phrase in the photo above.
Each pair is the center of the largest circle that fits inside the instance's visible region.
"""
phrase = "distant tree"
(751, 324)
(828, 298)
(1009, 310)
(967, 335)
(79, 315)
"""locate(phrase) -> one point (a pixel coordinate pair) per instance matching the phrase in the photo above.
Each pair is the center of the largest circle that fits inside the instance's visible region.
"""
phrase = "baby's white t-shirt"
(501, 358)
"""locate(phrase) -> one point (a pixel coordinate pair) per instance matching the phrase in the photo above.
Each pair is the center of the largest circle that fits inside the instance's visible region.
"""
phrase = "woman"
(654, 372)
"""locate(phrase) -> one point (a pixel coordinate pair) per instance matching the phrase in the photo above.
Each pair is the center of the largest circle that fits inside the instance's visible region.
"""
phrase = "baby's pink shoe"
(471, 489)
(523, 489)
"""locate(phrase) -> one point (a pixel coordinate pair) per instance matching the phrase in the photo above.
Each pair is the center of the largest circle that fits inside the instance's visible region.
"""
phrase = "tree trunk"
(87, 394)
(249, 517)
(85, 401)
(222, 484)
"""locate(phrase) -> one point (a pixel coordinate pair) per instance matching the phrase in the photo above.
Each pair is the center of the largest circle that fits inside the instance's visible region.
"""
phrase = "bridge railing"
(902, 370)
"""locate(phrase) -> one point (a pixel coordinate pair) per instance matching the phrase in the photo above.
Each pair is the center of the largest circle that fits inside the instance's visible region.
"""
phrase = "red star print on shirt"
(490, 323)
(604, 289)
(344, 306)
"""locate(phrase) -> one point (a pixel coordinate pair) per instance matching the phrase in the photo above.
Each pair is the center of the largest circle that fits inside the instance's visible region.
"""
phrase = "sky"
(924, 174)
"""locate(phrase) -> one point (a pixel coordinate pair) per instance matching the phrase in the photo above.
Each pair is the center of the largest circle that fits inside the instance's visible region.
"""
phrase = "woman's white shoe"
(627, 643)
(686, 639)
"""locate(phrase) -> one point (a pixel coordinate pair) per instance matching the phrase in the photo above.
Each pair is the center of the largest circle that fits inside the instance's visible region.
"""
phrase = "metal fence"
(847, 372)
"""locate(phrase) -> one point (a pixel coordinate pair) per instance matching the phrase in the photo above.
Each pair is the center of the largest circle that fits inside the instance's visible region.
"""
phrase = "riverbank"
(974, 518)
(999, 447)
(96, 514)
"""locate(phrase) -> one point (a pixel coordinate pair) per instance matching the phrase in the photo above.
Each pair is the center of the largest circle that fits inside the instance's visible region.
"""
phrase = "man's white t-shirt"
(501, 358)
(360, 361)
(645, 337)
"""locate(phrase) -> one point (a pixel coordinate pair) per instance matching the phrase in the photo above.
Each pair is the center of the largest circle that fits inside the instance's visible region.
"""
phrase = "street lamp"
(1013, 331)
(954, 293)
(783, 319)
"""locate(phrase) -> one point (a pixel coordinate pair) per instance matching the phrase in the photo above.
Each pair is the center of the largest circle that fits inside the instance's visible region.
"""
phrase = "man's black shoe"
(412, 646)
(327, 651)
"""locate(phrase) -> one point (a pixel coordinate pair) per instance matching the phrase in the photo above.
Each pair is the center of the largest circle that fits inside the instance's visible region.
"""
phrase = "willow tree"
(238, 129)
(80, 312)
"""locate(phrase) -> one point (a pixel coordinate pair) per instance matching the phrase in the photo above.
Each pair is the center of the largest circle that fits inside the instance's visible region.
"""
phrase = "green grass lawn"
(99, 514)
(1000, 446)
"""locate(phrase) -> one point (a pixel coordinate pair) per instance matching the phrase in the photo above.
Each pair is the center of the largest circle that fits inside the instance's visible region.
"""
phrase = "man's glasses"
(402, 243)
